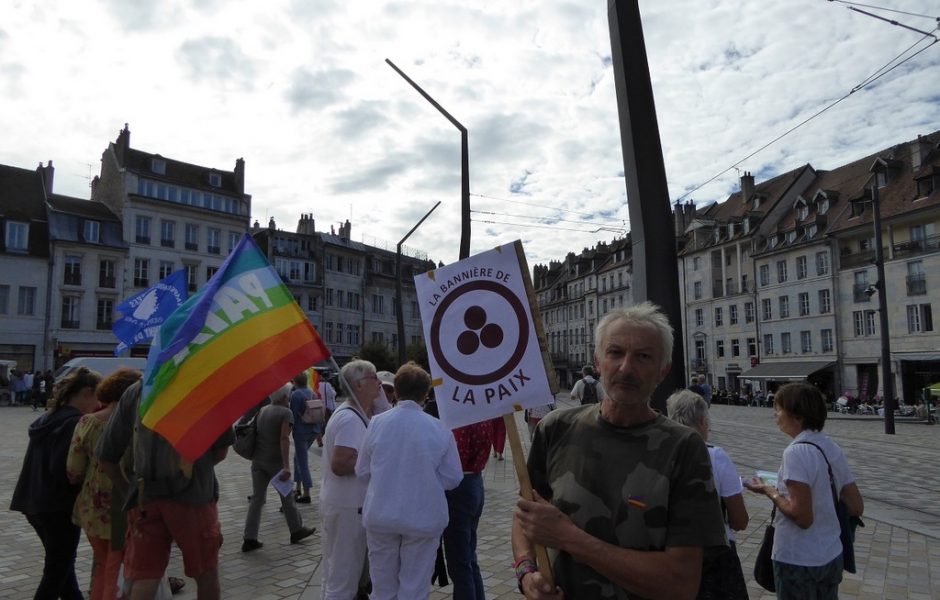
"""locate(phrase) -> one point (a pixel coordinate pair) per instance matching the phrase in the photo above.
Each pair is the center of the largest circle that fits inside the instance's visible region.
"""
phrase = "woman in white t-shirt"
(807, 552)
(722, 576)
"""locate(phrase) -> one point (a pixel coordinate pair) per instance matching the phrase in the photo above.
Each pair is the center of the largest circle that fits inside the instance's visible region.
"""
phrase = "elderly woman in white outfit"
(807, 551)
(411, 458)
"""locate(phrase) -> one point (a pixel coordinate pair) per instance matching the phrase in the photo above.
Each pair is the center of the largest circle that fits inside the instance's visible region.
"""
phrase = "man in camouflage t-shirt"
(627, 503)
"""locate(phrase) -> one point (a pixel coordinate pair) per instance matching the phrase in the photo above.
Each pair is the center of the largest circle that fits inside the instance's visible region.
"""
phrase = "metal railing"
(917, 284)
(916, 247)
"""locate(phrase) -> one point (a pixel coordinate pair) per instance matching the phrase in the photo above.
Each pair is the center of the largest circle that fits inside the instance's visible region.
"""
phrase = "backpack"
(589, 395)
(314, 411)
(246, 438)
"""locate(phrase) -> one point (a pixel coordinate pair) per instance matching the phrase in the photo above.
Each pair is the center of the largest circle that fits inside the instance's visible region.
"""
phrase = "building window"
(378, 304)
(825, 302)
(166, 267)
(720, 348)
(233, 238)
(718, 316)
(141, 272)
(781, 271)
(158, 166)
(870, 322)
(735, 347)
(806, 342)
(329, 296)
(697, 290)
(215, 179)
(191, 277)
(916, 278)
(804, 303)
(748, 312)
(340, 330)
(26, 301)
(4, 299)
(71, 310)
(784, 307)
(697, 263)
(822, 263)
(167, 234)
(752, 346)
(92, 231)
(785, 345)
(17, 236)
(142, 229)
(329, 332)
(73, 270)
(211, 271)
(768, 344)
(699, 317)
(766, 310)
(764, 274)
(826, 337)
(105, 314)
(214, 240)
(311, 302)
(919, 318)
(858, 323)
(733, 314)
(192, 237)
(801, 267)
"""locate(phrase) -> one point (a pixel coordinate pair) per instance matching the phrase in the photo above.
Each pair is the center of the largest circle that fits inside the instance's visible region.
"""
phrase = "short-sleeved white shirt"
(727, 480)
(820, 543)
(345, 428)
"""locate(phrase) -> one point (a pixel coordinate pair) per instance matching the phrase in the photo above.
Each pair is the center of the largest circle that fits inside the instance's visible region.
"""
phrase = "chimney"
(271, 224)
(306, 224)
(240, 175)
(747, 187)
(919, 151)
(123, 144)
(345, 230)
(48, 175)
(256, 226)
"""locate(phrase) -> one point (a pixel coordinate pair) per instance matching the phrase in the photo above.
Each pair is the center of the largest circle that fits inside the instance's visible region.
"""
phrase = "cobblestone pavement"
(898, 550)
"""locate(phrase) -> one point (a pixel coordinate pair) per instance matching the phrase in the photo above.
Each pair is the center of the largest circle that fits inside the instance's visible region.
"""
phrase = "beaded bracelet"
(523, 567)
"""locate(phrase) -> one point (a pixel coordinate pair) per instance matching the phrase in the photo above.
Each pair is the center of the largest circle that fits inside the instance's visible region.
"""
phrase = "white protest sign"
(482, 344)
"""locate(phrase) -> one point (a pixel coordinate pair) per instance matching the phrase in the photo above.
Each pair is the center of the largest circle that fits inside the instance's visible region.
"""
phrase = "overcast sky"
(300, 89)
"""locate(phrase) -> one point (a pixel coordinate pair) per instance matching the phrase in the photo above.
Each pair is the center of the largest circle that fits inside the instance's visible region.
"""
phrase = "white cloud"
(301, 90)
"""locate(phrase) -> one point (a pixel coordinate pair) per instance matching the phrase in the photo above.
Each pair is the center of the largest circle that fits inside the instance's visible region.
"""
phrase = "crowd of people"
(27, 387)
(400, 495)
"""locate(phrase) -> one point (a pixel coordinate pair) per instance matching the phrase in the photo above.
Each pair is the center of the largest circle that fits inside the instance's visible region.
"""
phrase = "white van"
(105, 365)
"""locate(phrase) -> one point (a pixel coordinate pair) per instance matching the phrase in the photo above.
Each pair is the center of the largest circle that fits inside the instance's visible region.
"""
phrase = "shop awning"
(784, 371)
(925, 356)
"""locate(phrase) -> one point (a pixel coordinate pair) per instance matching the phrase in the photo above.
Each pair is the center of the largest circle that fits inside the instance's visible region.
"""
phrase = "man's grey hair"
(355, 370)
(645, 314)
(688, 408)
(281, 395)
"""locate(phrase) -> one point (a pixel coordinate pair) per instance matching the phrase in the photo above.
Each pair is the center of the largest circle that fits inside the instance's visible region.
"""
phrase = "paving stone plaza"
(898, 551)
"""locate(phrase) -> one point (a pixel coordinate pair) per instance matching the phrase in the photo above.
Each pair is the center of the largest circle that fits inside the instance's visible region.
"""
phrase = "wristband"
(523, 567)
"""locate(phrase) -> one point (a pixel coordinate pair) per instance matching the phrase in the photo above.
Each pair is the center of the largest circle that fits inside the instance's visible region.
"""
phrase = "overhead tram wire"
(555, 227)
(574, 212)
(884, 70)
(497, 214)
(900, 12)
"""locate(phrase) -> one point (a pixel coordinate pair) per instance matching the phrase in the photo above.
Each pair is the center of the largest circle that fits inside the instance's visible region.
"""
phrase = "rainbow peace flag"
(223, 350)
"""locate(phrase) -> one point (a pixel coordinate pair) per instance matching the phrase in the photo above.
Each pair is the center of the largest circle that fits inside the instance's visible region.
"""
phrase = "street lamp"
(880, 289)
(464, 165)
(399, 311)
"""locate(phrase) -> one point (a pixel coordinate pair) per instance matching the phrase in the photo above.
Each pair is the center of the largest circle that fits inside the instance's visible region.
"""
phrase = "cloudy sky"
(300, 89)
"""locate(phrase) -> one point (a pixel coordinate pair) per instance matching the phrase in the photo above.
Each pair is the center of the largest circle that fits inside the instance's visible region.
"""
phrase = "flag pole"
(525, 488)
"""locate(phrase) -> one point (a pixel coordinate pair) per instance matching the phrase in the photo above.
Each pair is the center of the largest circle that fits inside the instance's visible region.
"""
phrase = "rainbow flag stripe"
(222, 351)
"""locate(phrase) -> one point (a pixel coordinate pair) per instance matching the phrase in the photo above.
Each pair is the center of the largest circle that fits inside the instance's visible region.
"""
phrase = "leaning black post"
(655, 271)
(464, 164)
(398, 305)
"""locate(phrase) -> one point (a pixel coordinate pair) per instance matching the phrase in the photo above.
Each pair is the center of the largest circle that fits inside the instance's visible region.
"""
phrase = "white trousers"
(401, 565)
(343, 541)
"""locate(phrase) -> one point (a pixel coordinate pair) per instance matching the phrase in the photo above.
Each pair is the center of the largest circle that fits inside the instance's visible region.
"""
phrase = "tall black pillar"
(655, 268)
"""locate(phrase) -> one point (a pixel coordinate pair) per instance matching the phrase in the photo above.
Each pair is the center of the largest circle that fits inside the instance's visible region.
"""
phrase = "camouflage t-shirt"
(645, 487)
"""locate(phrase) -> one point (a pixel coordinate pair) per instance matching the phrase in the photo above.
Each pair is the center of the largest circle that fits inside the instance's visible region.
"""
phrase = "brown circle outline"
(518, 352)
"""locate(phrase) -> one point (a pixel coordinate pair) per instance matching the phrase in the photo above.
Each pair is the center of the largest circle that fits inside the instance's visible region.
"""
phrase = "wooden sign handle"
(525, 489)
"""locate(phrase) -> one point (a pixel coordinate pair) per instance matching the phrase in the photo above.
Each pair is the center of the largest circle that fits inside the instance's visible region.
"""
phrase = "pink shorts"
(153, 526)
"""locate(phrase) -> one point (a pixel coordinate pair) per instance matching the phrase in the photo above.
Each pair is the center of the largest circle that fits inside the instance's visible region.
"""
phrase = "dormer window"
(747, 225)
(857, 208)
(756, 203)
(802, 211)
(717, 235)
(730, 230)
(772, 242)
(791, 237)
(215, 179)
(92, 231)
(811, 232)
(158, 166)
(822, 207)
